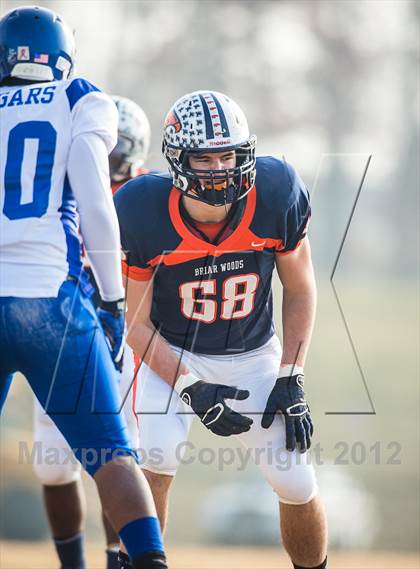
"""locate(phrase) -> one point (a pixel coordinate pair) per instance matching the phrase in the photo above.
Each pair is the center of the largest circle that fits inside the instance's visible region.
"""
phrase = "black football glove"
(112, 317)
(288, 397)
(208, 401)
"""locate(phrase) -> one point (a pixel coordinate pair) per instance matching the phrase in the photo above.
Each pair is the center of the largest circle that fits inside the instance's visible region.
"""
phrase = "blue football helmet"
(35, 45)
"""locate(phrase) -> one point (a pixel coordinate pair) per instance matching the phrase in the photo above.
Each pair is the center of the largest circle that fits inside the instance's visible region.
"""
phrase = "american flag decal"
(216, 123)
(41, 58)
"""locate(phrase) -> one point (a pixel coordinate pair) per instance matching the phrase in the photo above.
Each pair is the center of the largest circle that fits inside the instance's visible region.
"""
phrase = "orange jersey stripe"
(136, 273)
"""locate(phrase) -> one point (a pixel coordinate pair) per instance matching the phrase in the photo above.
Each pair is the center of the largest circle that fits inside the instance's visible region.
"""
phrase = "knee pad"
(162, 449)
(164, 459)
(294, 482)
(55, 465)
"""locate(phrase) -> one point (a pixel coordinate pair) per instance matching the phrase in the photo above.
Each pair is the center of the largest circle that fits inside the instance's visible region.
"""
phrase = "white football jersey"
(39, 242)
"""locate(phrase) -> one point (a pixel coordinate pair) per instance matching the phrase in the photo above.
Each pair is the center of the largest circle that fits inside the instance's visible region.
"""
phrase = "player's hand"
(208, 401)
(112, 317)
(288, 397)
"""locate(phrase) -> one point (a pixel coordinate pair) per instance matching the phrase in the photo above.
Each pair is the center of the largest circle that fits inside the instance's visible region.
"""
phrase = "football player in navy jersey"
(200, 247)
(62, 485)
(55, 137)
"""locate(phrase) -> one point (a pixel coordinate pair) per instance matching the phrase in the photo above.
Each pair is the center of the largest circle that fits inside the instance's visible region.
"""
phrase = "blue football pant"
(59, 345)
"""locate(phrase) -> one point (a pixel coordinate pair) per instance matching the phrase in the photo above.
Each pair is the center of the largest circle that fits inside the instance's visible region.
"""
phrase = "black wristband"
(115, 307)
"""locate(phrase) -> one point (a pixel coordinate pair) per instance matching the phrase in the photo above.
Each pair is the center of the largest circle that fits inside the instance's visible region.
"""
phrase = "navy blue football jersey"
(212, 298)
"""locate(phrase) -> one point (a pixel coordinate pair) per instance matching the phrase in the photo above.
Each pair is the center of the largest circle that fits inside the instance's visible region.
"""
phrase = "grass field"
(28, 555)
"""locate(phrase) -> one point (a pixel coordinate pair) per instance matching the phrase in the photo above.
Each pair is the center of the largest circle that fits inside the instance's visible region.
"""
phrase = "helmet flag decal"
(207, 117)
(223, 125)
(216, 123)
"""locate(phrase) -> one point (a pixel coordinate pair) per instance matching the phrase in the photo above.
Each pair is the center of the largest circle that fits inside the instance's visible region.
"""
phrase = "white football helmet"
(133, 143)
(203, 122)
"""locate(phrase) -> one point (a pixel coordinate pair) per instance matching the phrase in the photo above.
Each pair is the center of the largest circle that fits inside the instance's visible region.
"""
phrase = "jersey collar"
(235, 241)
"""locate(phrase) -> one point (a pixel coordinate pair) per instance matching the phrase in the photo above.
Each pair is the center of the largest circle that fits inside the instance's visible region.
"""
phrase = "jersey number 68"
(238, 297)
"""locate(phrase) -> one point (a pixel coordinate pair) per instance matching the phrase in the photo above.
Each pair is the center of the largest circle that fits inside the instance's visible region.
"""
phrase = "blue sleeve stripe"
(78, 89)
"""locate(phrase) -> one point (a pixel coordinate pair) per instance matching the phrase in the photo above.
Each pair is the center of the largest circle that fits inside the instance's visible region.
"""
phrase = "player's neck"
(203, 212)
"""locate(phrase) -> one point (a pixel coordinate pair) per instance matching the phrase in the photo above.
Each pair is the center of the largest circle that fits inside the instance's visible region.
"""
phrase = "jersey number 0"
(27, 196)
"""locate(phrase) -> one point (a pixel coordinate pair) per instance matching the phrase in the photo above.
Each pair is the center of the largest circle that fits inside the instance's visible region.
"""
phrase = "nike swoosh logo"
(253, 244)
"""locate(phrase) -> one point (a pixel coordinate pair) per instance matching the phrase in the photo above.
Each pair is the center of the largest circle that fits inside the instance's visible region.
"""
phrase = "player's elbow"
(140, 334)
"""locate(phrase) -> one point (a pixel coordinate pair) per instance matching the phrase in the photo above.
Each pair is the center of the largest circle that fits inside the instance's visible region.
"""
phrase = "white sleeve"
(96, 113)
(88, 173)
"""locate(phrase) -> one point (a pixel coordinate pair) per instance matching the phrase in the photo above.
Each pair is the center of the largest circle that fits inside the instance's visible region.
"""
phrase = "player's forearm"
(88, 173)
(153, 349)
(103, 251)
(298, 320)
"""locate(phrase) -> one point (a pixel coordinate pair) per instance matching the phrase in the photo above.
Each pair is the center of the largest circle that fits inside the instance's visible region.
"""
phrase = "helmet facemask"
(213, 187)
(120, 162)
